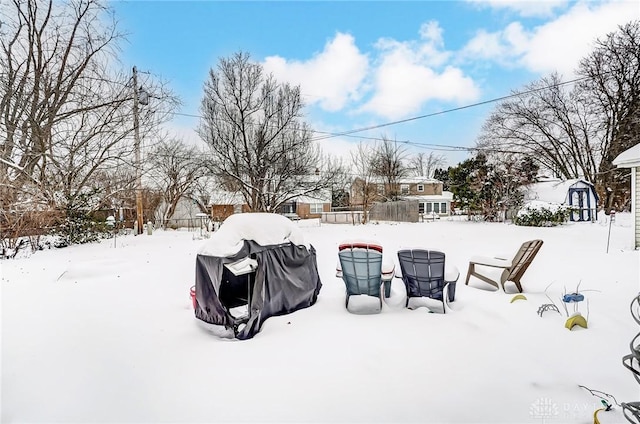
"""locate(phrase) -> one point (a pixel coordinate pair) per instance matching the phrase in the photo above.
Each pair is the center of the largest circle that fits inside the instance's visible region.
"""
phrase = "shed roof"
(553, 190)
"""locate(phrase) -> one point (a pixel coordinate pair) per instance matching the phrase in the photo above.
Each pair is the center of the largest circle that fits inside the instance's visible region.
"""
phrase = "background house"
(631, 159)
(577, 193)
(433, 204)
(225, 203)
(309, 206)
(428, 192)
(184, 215)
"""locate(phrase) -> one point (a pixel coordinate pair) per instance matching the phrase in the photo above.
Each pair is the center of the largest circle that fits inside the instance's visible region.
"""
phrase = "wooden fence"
(404, 211)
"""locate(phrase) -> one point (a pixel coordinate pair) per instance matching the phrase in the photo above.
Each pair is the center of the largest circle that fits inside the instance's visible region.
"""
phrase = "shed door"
(579, 199)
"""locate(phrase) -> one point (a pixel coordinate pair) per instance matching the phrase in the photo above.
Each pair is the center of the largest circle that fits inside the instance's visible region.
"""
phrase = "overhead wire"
(431, 146)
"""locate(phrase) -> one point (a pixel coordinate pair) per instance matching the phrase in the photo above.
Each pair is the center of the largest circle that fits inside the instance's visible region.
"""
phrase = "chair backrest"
(422, 272)
(359, 244)
(361, 270)
(523, 259)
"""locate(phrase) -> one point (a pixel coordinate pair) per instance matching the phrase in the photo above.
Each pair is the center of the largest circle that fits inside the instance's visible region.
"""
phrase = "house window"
(429, 207)
(404, 188)
(443, 207)
(436, 207)
(315, 208)
(289, 208)
(420, 187)
(380, 189)
(421, 207)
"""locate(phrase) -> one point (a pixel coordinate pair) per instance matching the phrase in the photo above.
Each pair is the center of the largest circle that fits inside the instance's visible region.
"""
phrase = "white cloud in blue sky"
(411, 73)
(368, 63)
(396, 78)
(527, 8)
(556, 45)
(334, 77)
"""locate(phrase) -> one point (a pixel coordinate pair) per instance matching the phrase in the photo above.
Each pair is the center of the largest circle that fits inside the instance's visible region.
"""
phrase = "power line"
(350, 133)
(431, 146)
(497, 99)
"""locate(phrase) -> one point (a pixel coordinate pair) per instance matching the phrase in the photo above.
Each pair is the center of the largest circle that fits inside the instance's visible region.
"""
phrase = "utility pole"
(136, 135)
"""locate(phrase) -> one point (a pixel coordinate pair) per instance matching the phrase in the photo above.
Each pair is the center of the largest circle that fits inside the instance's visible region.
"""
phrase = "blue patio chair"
(425, 276)
(360, 267)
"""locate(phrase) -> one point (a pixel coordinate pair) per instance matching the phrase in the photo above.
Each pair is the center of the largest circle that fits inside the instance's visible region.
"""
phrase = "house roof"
(406, 180)
(446, 196)
(226, 198)
(418, 180)
(630, 158)
(318, 198)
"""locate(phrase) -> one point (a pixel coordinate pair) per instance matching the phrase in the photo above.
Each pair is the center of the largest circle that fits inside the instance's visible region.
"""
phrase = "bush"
(78, 228)
(542, 215)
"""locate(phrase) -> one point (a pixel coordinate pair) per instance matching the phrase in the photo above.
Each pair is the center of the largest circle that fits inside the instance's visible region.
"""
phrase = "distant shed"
(579, 194)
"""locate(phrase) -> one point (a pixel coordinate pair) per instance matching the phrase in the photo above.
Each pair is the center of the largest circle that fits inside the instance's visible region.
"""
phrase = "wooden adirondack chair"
(513, 269)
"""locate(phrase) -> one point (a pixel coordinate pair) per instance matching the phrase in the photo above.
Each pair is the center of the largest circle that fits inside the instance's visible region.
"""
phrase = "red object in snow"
(192, 291)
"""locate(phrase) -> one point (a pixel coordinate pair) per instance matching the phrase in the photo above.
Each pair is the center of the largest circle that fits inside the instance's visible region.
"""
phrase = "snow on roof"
(406, 180)
(630, 158)
(446, 195)
(319, 196)
(263, 228)
(226, 198)
(551, 190)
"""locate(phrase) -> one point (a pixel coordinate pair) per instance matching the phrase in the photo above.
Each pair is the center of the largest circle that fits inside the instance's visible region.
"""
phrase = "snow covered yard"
(97, 333)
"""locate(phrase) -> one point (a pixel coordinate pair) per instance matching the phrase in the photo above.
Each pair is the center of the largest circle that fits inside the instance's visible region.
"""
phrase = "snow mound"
(263, 228)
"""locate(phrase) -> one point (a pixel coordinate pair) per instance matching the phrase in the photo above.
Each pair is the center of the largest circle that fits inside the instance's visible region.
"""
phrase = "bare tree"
(65, 114)
(577, 132)
(363, 187)
(547, 123)
(387, 162)
(201, 192)
(175, 168)
(259, 146)
(425, 165)
(613, 87)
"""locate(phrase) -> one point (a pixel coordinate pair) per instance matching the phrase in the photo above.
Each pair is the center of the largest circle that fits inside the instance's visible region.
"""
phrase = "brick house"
(307, 207)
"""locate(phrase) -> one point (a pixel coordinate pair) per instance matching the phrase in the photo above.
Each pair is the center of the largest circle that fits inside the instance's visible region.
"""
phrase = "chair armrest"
(451, 274)
(494, 262)
(388, 272)
(339, 269)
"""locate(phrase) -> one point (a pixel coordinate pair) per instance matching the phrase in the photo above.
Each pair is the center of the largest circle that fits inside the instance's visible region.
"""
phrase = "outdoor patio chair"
(425, 275)
(361, 268)
(512, 269)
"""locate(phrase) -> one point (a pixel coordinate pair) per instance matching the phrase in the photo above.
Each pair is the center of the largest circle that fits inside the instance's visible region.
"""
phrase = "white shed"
(579, 194)
(630, 158)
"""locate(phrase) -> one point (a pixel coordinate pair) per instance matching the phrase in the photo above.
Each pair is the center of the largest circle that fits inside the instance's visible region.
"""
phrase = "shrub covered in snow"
(542, 214)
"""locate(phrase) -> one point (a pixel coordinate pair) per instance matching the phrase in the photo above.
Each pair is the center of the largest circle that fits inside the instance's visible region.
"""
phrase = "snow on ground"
(97, 333)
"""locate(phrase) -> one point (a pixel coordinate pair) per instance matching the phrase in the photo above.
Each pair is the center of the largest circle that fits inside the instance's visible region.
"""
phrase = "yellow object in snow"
(576, 320)
(518, 297)
(595, 416)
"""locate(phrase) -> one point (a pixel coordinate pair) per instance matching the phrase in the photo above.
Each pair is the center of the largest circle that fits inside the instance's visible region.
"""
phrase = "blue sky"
(368, 63)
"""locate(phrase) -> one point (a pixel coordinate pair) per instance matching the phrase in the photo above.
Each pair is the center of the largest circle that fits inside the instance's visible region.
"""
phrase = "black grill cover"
(286, 280)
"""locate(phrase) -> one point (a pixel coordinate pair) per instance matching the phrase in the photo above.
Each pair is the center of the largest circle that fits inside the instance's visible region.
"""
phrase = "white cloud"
(524, 7)
(332, 78)
(184, 131)
(560, 44)
(557, 45)
(409, 74)
(338, 148)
